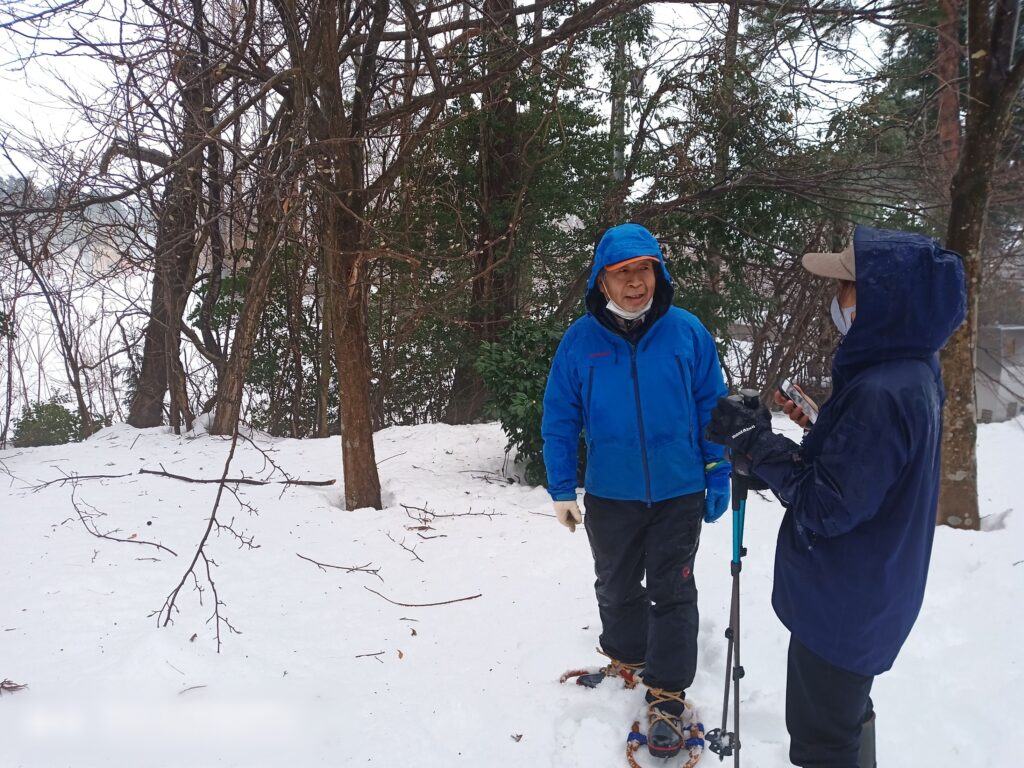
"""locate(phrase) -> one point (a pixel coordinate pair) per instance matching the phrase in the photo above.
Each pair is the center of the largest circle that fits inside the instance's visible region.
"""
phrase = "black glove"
(736, 426)
(741, 467)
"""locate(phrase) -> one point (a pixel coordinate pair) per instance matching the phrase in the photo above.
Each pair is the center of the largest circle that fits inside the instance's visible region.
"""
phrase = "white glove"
(568, 514)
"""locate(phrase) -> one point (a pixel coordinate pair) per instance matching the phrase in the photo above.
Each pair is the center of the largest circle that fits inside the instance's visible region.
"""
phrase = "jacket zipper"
(586, 411)
(682, 375)
(640, 423)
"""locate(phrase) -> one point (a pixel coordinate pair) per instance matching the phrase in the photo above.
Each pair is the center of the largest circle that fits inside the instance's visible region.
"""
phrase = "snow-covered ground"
(327, 671)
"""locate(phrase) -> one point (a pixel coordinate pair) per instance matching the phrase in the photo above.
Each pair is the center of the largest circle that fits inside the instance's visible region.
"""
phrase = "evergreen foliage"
(515, 370)
(47, 423)
(286, 356)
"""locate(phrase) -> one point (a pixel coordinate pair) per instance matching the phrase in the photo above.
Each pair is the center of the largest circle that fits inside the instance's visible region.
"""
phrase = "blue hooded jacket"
(861, 491)
(642, 404)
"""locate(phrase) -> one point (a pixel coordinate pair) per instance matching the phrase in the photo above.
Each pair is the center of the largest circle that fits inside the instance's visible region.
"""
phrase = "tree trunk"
(174, 273)
(947, 68)
(342, 201)
(617, 123)
(323, 384)
(348, 295)
(232, 379)
(348, 303)
(147, 407)
(215, 185)
(970, 192)
(296, 282)
(495, 274)
(995, 80)
(270, 194)
(726, 117)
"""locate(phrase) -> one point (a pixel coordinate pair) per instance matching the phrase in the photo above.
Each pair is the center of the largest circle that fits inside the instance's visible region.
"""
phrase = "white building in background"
(999, 372)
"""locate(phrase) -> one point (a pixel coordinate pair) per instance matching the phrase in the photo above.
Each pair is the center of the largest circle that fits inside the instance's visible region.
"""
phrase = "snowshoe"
(687, 743)
(631, 674)
(668, 716)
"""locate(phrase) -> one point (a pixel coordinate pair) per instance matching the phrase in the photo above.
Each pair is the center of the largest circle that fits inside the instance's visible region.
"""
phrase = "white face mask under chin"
(625, 314)
(842, 317)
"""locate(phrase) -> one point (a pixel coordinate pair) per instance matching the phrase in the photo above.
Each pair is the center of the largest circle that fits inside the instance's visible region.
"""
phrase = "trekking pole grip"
(750, 398)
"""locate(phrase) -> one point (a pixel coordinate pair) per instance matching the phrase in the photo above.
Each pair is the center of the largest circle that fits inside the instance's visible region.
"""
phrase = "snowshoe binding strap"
(631, 674)
(661, 715)
(694, 745)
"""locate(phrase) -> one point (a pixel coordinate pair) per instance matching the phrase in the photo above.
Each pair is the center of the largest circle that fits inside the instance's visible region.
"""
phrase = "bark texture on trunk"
(996, 74)
(348, 304)
(232, 379)
(270, 217)
(342, 201)
(176, 258)
(493, 300)
(970, 192)
(947, 69)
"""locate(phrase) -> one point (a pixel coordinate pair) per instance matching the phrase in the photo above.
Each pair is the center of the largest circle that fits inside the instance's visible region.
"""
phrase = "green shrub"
(48, 423)
(515, 370)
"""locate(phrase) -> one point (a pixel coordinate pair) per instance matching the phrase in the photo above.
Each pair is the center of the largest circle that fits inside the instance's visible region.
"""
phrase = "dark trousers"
(826, 708)
(654, 625)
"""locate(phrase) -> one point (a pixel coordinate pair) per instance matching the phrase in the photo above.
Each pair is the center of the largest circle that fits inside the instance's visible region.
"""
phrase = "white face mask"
(842, 317)
(625, 314)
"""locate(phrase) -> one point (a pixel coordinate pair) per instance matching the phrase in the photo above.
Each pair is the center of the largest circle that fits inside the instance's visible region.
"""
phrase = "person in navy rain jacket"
(861, 491)
(639, 377)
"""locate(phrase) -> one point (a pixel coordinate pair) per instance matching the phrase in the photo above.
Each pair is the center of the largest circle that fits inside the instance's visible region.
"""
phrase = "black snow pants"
(656, 624)
(826, 710)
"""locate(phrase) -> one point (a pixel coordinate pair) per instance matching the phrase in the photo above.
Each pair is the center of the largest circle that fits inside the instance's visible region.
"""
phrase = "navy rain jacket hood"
(861, 491)
(642, 402)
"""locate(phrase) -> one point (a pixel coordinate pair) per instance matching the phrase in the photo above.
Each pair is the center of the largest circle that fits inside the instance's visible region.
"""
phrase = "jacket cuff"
(772, 447)
(563, 496)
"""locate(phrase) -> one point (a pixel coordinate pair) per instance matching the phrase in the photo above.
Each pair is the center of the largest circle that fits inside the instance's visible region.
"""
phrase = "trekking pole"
(722, 742)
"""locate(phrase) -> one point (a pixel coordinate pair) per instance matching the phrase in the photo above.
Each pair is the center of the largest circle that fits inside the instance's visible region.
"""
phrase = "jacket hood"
(628, 241)
(911, 297)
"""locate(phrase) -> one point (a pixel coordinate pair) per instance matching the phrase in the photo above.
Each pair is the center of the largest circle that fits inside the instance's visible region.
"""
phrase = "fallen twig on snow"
(90, 526)
(73, 478)
(471, 513)
(347, 568)
(423, 605)
(164, 614)
(233, 480)
(9, 686)
(410, 550)
(391, 457)
(243, 539)
(429, 515)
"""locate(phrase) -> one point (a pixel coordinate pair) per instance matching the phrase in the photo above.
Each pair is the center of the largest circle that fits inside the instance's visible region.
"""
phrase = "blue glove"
(717, 499)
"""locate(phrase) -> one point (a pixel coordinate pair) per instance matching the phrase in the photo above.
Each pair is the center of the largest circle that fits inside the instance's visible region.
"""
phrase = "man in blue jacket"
(639, 377)
(861, 490)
